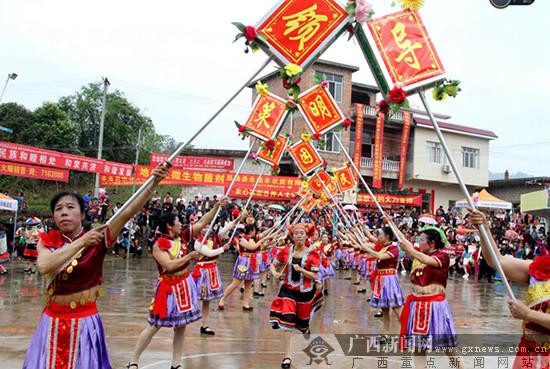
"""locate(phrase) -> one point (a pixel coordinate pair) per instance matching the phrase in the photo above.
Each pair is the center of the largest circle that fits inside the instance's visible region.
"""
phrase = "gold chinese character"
(264, 115)
(318, 107)
(307, 23)
(344, 180)
(306, 156)
(407, 47)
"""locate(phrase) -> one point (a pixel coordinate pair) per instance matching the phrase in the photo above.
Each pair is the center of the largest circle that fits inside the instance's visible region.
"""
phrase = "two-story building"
(427, 171)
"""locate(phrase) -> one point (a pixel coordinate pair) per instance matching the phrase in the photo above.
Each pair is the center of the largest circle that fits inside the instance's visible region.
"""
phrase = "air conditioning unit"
(447, 168)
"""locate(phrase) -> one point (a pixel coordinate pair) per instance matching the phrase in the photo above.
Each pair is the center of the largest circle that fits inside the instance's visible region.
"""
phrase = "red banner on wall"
(378, 151)
(390, 200)
(404, 147)
(33, 172)
(359, 122)
(49, 158)
(197, 162)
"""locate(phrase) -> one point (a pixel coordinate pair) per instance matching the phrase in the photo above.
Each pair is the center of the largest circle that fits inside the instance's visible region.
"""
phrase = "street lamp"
(11, 76)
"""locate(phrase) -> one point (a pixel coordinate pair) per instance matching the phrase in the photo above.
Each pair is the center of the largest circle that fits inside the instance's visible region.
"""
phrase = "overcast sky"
(175, 60)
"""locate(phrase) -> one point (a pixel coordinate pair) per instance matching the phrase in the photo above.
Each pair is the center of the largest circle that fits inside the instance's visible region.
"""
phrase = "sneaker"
(379, 314)
(207, 331)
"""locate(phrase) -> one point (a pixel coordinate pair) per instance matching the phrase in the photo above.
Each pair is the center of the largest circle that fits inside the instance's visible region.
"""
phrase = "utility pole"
(106, 85)
(138, 146)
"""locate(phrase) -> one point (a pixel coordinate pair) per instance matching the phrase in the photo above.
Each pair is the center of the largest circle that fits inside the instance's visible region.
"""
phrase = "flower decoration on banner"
(410, 4)
(250, 34)
(398, 99)
(316, 136)
(262, 89)
(275, 170)
(291, 75)
(268, 145)
(347, 123)
(360, 9)
(243, 131)
(306, 136)
(383, 107)
(445, 89)
(292, 104)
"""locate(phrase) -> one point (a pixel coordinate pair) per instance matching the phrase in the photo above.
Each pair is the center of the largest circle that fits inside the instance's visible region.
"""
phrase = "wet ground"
(242, 340)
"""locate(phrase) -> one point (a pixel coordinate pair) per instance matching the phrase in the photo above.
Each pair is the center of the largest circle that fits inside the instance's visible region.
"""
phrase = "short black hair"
(389, 233)
(166, 220)
(74, 195)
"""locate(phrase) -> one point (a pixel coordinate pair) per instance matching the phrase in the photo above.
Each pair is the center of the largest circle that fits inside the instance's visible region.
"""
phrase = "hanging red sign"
(274, 157)
(378, 152)
(405, 49)
(306, 157)
(268, 115)
(358, 146)
(404, 147)
(297, 31)
(345, 179)
(320, 110)
(390, 200)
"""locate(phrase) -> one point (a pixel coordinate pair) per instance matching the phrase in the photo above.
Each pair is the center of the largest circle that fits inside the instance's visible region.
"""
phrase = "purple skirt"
(325, 272)
(263, 261)
(441, 332)
(85, 338)
(182, 306)
(390, 293)
(338, 255)
(209, 282)
(243, 269)
(366, 268)
(350, 256)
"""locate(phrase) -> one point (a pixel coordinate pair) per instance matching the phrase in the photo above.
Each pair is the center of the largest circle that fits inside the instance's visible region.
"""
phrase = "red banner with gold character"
(274, 157)
(268, 115)
(358, 146)
(308, 204)
(345, 179)
(296, 31)
(404, 147)
(406, 50)
(306, 157)
(390, 200)
(378, 152)
(33, 172)
(320, 110)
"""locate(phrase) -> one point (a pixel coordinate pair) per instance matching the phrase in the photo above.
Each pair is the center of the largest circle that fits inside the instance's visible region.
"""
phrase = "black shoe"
(176, 367)
(242, 290)
(379, 314)
(368, 299)
(131, 365)
(286, 363)
(363, 290)
(357, 283)
(207, 331)
(325, 292)
(348, 278)
(258, 294)
(264, 285)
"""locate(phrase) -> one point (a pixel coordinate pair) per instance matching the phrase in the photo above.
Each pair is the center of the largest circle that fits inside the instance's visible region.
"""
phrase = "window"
(434, 152)
(470, 158)
(331, 144)
(335, 84)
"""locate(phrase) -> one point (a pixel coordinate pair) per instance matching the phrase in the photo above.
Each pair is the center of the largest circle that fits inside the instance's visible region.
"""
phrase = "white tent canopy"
(486, 201)
(7, 203)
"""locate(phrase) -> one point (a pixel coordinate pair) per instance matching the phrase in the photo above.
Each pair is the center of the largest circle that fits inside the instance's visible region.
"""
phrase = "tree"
(16, 117)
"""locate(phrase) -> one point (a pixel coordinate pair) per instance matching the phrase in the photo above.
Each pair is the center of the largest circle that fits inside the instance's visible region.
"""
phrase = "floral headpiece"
(438, 230)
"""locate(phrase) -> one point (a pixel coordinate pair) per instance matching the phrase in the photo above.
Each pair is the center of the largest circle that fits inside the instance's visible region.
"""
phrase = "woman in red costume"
(70, 333)
(298, 297)
(534, 347)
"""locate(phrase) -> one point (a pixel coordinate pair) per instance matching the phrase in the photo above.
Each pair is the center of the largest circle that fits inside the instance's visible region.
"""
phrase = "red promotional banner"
(296, 30)
(320, 110)
(378, 151)
(34, 155)
(390, 200)
(196, 162)
(404, 147)
(359, 122)
(264, 192)
(406, 49)
(186, 177)
(33, 172)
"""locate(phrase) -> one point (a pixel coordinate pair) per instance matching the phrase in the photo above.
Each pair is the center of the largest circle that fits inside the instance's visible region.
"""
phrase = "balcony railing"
(371, 111)
(387, 165)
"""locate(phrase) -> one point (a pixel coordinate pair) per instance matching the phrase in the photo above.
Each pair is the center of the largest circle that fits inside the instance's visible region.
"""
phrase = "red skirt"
(293, 309)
